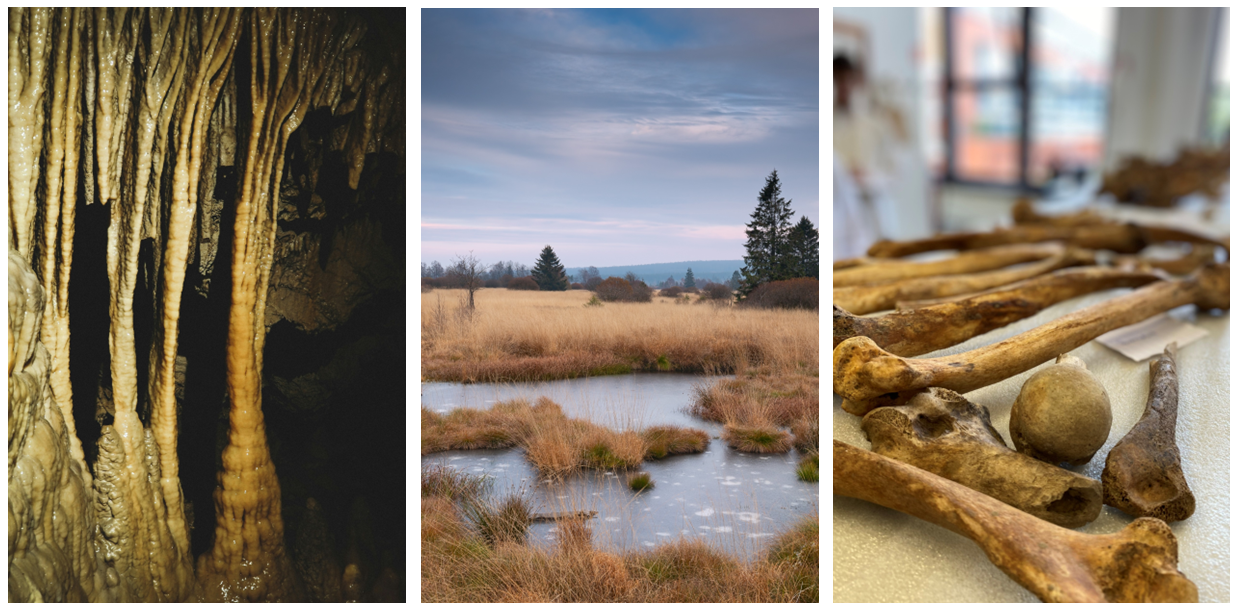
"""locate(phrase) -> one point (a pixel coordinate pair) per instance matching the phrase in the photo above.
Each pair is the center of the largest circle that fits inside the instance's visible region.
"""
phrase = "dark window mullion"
(1025, 100)
(949, 95)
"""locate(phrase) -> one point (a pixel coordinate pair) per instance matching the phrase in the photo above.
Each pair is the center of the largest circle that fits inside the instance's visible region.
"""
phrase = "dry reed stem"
(530, 336)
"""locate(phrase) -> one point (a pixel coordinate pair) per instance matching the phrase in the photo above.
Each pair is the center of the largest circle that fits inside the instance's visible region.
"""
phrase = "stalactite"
(138, 109)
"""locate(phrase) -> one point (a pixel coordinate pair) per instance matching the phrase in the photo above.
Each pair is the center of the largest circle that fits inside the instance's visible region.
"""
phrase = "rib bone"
(1143, 472)
(1137, 564)
(929, 328)
(941, 432)
(884, 271)
(863, 372)
(860, 300)
(1118, 237)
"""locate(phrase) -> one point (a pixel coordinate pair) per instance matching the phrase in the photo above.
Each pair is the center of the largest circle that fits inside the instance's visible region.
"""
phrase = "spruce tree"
(688, 280)
(767, 238)
(803, 250)
(548, 273)
(735, 281)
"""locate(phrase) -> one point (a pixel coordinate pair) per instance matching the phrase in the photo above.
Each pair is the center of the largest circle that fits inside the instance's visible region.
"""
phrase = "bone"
(1143, 472)
(1200, 254)
(941, 325)
(941, 432)
(860, 300)
(885, 271)
(1122, 238)
(1137, 564)
(864, 373)
(1024, 213)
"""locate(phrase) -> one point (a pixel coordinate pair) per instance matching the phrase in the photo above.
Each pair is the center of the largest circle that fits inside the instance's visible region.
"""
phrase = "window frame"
(1020, 83)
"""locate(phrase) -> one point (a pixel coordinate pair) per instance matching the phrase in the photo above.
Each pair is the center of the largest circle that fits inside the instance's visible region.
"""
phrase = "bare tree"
(471, 273)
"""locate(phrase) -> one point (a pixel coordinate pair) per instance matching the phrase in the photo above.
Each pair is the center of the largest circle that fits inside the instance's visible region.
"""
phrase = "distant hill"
(653, 274)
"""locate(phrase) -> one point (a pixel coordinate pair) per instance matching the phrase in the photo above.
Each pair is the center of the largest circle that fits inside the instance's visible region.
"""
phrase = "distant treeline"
(502, 273)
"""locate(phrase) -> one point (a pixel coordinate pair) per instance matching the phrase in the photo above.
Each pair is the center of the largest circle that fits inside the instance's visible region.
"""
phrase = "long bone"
(1200, 254)
(941, 432)
(884, 271)
(867, 376)
(1123, 238)
(1137, 564)
(941, 325)
(860, 300)
(1024, 213)
(1143, 472)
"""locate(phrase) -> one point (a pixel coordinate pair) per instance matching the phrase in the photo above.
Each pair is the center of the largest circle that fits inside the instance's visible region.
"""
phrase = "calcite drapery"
(146, 105)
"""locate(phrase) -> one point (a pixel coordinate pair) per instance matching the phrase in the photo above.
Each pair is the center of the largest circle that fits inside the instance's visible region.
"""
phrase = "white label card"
(1148, 338)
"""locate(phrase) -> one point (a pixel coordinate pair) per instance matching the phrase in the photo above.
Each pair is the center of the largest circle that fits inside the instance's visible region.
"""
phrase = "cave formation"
(206, 305)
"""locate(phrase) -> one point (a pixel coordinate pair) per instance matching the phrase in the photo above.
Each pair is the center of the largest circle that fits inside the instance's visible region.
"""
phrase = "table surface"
(881, 555)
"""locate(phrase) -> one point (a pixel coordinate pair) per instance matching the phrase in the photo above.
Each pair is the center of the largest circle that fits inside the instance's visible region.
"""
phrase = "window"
(1026, 92)
(1216, 116)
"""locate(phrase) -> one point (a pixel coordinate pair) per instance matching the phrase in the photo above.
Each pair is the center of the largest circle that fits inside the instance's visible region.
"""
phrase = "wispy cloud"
(615, 125)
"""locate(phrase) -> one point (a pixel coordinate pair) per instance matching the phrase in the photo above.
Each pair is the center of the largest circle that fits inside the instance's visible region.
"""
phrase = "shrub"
(640, 481)
(614, 289)
(641, 293)
(593, 302)
(672, 291)
(577, 286)
(593, 283)
(717, 292)
(522, 283)
(801, 293)
(492, 283)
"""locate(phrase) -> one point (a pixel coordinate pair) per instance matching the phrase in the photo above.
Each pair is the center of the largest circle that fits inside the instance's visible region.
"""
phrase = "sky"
(618, 137)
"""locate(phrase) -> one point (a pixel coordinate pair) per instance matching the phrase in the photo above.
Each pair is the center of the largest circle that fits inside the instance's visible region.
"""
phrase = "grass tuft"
(807, 469)
(758, 439)
(663, 441)
(640, 481)
(507, 521)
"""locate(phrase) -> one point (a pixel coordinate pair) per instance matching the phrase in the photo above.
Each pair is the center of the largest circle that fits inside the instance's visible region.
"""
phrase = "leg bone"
(863, 372)
(1137, 564)
(941, 432)
(1143, 472)
(932, 327)
(860, 300)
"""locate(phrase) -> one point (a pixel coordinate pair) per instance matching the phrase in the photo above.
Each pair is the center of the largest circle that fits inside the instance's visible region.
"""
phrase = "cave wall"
(218, 174)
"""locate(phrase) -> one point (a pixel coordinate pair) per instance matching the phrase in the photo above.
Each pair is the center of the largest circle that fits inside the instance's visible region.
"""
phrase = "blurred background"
(944, 116)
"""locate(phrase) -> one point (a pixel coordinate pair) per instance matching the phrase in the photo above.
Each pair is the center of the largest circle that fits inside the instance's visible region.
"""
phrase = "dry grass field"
(474, 547)
(528, 336)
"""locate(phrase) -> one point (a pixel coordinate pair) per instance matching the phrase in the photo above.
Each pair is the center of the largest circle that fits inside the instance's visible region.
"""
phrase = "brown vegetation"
(460, 564)
(529, 336)
(801, 293)
(555, 444)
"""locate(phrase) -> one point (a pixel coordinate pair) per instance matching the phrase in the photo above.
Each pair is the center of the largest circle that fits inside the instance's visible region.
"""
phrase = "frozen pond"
(735, 500)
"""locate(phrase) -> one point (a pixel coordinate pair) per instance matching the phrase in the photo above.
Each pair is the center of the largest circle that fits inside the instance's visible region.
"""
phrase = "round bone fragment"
(1062, 414)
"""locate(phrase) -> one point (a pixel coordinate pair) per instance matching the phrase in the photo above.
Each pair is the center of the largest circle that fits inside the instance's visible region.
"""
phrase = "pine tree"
(548, 273)
(688, 280)
(767, 238)
(803, 249)
(735, 281)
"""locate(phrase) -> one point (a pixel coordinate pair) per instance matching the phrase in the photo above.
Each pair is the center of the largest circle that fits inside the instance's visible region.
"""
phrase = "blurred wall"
(894, 35)
(1160, 81)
